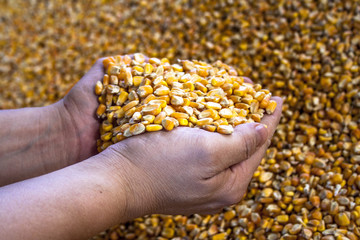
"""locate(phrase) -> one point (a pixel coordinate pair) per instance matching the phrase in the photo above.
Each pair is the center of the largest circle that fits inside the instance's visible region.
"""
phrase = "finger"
(88, 81)
(97, 70)
(248, 80)
(228, 150)
(271, 121)
(247, 167)
(238, 176)
(245, 141)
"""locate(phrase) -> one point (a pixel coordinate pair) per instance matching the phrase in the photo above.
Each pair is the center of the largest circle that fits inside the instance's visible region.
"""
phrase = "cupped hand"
(189, 170)
(81, 104)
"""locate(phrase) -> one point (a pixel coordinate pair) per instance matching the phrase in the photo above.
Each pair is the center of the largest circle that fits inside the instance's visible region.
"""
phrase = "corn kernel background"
(307, 186)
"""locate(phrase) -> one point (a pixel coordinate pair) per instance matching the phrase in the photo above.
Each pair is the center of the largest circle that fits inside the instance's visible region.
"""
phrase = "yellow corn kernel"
(226, 113)
(196, 78)
(219, 236)
(114, 80)
(225, 129)
(177, 67)
(168, 123)
(149, 118)
(270, 108)
(188, 65)
(140, 58)
(188, 110)
(155, 61)
(119, 113)
(282, 219)
(119, 137)
(116, 130)
(160, 102)
(100, 110)
(171, 79)
(124, 127)
(138, 69)
(127, 132)
(179, 115)
(255, 117)
(183, 121)
(259, 96)
(153, 127)
(144, 91)
(122, 98)
(154, 109)
(137, 129)
(217, 81)
(201, 87)
(130, 105)
(161, 91)
(209, 113)
(112, 89)
(342, 219)
(169, 110)
(114, 108)
(149, 98)
(161, 116)
(221, 121)
(166, 98)
(108, 100)
(105, 80)
(137, 80)
(177, 101)
(98, 88)
(189, 86)
(128, 78)
(106, 136)
(127, 59)
(105, 145)
(108, 61)
(114, 70)
(106, 126)
(186, 102)
(102, 99)
(265, 102)
(204, 121)
(148, 68)
(133, 96)
(241, 91)
(210, 128)
(130, 112)
(193, 120)
(213, 105)
(145, 81)
(196, 105)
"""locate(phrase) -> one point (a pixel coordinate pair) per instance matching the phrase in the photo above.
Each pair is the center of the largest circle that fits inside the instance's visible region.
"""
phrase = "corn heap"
(138, 96)
(308, 52)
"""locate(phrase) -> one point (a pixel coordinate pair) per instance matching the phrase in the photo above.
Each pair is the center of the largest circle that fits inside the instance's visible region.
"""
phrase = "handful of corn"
(139, 95)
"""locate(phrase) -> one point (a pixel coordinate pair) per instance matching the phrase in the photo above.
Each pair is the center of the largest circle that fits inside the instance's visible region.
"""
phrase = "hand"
(189, 170)
(81, 104)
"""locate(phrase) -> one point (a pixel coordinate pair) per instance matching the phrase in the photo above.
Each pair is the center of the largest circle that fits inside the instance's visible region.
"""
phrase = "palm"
(81, 103)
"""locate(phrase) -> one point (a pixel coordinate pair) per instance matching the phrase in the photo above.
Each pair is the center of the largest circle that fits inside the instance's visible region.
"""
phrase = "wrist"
(113, 179)
(136, 190)
(63, 135)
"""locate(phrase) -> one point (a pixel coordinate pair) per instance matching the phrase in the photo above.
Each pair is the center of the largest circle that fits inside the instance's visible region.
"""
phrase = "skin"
(52, 176)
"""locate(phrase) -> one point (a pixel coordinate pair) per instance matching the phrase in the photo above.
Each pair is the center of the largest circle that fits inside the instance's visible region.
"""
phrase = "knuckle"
(247, 148)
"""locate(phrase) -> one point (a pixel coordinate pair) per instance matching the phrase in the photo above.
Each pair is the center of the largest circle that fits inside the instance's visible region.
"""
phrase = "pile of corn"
(307, 186)
(138, 95)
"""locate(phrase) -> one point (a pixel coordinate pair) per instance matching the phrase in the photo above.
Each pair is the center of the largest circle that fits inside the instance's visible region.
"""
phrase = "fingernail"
(261, 133)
